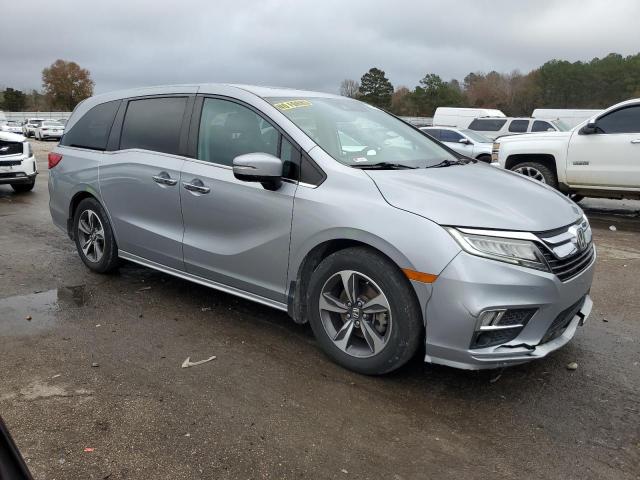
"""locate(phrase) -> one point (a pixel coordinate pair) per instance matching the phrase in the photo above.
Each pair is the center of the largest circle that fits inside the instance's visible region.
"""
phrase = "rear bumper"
(471, 285)
(18, 178)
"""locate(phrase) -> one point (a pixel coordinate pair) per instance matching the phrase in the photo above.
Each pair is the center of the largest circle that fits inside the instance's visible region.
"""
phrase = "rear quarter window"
(92, 130)
(487, 124)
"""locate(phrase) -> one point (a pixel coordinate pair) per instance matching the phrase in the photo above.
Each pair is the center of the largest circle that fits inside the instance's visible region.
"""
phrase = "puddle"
(41, 307)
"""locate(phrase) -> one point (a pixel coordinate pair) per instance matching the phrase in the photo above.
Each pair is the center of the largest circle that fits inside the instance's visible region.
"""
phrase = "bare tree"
(66, 84)
(349, 88)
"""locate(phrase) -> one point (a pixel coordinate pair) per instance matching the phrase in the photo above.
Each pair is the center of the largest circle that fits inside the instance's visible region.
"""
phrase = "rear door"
(610, 157)
(236, 233)
(140, 177)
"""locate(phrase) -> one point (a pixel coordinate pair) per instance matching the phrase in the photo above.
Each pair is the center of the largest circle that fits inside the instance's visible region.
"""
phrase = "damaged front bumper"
(470, 286)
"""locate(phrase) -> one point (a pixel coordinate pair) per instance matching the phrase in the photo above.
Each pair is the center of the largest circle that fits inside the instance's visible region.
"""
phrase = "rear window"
(92, 130)
(487, 124)
(519, 126)
(153, 124)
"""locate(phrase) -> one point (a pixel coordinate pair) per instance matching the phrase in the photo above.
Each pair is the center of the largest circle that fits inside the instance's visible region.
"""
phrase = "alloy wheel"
(91, 235)
(531, 172)
(355, 314)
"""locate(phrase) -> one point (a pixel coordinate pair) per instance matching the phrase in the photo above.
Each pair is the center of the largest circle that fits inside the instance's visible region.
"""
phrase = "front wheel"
(94, 238)
(537, 171)
(363, 311)
(23, 187)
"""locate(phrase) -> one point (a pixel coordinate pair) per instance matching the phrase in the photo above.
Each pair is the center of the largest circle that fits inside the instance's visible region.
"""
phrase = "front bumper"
(12, 172)
(470, 285)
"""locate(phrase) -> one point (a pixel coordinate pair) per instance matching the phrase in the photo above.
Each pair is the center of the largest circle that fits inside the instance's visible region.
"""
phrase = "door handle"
(196, 185)
(163, 178)
(636, 141)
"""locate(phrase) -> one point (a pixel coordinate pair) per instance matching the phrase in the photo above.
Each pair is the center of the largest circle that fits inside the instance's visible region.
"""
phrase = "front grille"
(562, 321)
(571, 266)
(10, 148)
(516, 316)
(490, 338)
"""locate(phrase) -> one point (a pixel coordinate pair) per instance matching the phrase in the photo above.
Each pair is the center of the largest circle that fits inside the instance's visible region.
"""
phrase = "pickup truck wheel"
(537, 171)
(484, 158)
(576, 197)
(363, 311)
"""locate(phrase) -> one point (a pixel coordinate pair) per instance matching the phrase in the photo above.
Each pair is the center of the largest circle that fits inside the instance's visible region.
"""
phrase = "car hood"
(534, 137)
(11, 137)
(476, 195)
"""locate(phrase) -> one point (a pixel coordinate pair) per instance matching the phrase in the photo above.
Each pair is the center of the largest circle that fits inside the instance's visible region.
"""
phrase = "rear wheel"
(94, 238)
(23, 187)
(537, 171)
(363, 311)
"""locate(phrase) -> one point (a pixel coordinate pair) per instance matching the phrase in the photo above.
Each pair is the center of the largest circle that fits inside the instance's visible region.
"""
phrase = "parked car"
(63, 121)
(29, 126)
(49, 129)
(598, 158)
(464, 141)
(497, 127)
(18, 166)
(11, 127)
(568, 116)
(462, 117)
(249, 190)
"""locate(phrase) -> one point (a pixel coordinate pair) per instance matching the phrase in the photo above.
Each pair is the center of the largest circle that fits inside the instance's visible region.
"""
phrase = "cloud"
(305, 44)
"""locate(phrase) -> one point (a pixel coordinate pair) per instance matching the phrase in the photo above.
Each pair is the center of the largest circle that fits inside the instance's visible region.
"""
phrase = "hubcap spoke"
(374, 340)
(377, 304)
(98, 247)
(349, 285)
(344, 334)
(83, 227)
(91, 235)
(86, 246)
(332, 304)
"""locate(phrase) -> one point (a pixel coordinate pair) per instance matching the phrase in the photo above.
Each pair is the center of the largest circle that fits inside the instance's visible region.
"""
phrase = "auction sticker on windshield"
(292, 104)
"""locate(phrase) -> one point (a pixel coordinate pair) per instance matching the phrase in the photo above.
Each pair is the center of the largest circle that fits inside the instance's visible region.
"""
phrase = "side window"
(540, 126)
(228, 129)
(291, 159)
(450, 136)
(310, 173)
(519, 126)
(153, 124)
(625, 120)
(487, 124)
(92, 129)
(434, 132)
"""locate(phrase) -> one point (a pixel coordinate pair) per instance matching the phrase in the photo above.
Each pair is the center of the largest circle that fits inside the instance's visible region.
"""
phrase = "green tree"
(433, 92)
(13, 100)
(66, 84)
(376, 89)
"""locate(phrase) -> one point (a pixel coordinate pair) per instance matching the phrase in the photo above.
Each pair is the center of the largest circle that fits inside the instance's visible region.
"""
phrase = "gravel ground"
(98, 366)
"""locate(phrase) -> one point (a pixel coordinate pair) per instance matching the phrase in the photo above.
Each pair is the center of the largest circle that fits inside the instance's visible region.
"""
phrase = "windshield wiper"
(383, 166)
(448, 163)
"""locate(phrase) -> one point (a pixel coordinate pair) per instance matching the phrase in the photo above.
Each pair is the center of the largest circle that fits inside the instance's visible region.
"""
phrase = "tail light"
(54, 159)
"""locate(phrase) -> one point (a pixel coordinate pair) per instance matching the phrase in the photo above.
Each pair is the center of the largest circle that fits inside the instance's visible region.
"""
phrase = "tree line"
(598, 83)
(65, 84)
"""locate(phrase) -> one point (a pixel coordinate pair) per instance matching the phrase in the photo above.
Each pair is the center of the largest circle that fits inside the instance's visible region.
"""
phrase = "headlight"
(510, 250)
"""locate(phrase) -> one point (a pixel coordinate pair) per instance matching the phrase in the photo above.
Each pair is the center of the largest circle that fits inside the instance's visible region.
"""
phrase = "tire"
(398, 329)
(23, 187)
(537, 171)
(575, 197)
(97, 250)
(484, 158)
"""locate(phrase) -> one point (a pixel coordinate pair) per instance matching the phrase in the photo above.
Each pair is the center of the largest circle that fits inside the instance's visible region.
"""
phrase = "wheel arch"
(301, 271)
(544, 158)
(76, 198)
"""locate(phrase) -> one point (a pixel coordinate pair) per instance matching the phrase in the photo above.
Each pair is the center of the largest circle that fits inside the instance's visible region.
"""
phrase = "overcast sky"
(305, 44)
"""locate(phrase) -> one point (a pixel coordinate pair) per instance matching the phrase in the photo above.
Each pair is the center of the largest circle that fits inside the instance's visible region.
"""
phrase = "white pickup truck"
(598, 158)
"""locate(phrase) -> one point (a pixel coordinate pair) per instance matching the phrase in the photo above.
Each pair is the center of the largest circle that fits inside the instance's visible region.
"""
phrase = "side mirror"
(259, 167)
(465, 141)
(589, 129)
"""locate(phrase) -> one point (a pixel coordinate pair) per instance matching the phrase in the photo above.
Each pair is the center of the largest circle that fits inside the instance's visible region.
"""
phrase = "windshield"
(560, 125)
(357, 134)
(475, 136)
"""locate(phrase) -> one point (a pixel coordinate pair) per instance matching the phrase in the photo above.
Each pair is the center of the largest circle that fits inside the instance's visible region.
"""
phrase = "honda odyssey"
(330, 209)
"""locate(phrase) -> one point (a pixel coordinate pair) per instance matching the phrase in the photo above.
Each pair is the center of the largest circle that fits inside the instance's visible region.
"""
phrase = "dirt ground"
(98, 366)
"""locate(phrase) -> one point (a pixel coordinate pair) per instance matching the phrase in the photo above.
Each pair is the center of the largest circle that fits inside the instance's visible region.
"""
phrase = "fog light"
(499, 326)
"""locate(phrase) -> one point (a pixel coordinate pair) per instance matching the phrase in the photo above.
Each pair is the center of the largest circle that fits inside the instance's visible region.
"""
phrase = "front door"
(235, 233)
(611, 156)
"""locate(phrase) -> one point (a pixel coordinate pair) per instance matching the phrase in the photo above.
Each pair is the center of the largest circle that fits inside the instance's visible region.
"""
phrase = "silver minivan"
(344, 216)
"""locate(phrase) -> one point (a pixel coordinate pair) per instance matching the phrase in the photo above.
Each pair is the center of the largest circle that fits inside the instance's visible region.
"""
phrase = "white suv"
(17, 164)
(495, 127)
(598, 158)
